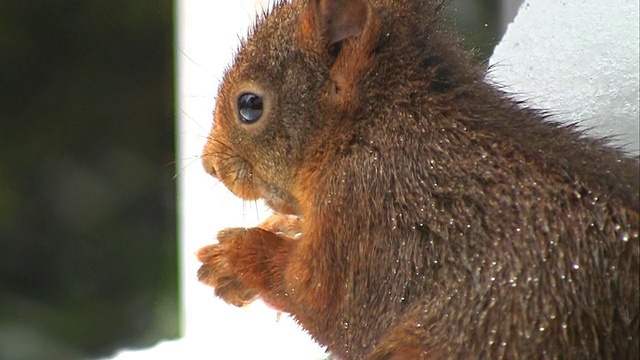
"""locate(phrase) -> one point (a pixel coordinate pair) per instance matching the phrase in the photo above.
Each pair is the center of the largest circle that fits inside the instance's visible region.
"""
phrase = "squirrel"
(419, 211)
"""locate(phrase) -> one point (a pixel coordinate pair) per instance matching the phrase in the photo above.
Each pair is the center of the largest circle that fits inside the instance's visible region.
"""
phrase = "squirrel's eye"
(250, 107)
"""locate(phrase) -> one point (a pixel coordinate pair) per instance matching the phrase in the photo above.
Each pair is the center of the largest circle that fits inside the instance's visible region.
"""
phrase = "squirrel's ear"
(341, 19)
(333, 21)
(348, 31)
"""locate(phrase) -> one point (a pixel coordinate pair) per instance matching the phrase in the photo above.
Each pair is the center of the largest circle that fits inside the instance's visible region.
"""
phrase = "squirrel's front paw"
(220, 268)
(287, 225)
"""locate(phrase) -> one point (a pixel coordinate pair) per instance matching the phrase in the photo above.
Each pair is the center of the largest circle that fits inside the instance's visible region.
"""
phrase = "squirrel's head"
(308, 71)
(274, 100)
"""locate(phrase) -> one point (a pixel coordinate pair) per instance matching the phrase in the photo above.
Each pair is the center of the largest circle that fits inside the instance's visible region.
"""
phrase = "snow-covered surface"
(578, 58)
(225, 333)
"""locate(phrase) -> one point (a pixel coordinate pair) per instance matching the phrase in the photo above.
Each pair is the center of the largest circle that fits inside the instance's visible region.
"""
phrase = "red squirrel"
(419, 211)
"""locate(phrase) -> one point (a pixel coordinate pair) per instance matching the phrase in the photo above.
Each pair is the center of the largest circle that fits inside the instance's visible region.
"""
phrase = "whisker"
(255, 204)
(226, 163)
(183, 168)
(173, 162)
(217, 182)
(189, 58)
(193, 120)
(222, 143)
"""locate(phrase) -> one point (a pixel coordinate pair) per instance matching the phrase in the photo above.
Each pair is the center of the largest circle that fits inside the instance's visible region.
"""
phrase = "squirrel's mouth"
(238, 176)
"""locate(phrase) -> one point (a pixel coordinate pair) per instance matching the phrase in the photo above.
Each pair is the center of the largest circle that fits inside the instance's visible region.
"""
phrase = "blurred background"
(87, 189)
(88, 248)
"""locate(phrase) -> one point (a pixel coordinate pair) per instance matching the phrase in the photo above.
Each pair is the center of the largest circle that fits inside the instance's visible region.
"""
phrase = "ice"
(578, 59)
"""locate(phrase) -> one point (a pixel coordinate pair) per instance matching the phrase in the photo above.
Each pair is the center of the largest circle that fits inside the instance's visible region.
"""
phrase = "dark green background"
(87, 195)
(88, 254)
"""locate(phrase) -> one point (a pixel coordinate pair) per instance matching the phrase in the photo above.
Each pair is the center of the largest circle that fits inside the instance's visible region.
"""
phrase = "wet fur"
(439, 218)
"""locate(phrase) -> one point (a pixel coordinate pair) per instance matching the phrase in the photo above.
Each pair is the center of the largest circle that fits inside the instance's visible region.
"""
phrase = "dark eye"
(250, 107)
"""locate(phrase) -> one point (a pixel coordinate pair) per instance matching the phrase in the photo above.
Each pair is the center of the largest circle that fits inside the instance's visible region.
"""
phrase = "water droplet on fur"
(576, 266)
(345, 325)
(624, 236)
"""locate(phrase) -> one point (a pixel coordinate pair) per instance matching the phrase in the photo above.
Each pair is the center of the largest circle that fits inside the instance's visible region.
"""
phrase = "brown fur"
(439, 218)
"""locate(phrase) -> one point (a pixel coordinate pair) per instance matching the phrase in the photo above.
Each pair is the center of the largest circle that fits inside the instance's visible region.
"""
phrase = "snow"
(578, 59)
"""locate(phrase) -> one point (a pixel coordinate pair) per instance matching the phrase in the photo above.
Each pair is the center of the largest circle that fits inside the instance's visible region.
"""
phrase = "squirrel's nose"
(208, 163)
(210, 169)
